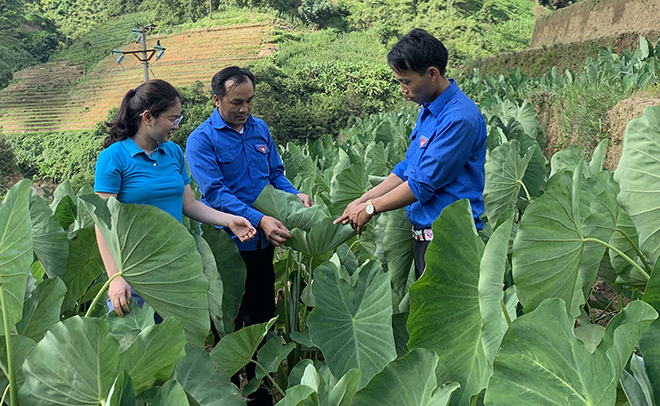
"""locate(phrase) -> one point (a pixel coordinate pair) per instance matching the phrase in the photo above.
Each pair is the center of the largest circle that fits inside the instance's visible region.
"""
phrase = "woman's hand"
(242, 228)
(120, 295)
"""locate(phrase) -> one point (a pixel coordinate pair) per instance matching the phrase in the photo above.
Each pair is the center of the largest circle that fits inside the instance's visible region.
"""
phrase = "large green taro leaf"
(505, 170)
(170, 394)
(349, 185)
(408, 381)
(75, 364)
(232, 273)
(565, 159)
(21, 347)
(42, 309)
(651, 337)
(541, 361)
(638, 175)
(84, 266)
(215, 282)
(154, 354)
(315, 388)
(204, 381)
(49, 239)
(321, 238)
(158, 257)
(137, 320)
(455, 307)
(395, 248)
(554, 252)
(271, 355)
(352, 320)
(235, 350)
(288, 208)
(121, 392)
(63, 204)
(15, 248)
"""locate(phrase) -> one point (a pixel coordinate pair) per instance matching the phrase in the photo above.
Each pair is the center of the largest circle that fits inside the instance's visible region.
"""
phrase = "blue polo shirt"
(137, 178)
(445, 160)
(232, 168)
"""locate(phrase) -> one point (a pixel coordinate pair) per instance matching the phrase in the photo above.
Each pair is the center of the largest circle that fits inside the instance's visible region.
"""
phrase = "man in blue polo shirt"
(232, 157)
(445, 160)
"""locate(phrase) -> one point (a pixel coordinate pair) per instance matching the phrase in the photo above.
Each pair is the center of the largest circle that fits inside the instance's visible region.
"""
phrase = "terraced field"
(60, 96)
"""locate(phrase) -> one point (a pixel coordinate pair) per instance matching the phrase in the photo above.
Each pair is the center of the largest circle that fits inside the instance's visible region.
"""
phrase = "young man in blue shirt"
(232, 157)
(445, 160)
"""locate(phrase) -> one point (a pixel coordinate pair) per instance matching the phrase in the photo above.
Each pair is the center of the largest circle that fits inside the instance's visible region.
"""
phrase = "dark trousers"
(258, 306)
(418, 252)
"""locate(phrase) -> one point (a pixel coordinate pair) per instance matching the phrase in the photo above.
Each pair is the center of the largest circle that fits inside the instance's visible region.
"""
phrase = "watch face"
(369, 209)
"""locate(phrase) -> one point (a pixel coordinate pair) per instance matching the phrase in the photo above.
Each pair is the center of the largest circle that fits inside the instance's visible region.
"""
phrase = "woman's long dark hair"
(155, 95)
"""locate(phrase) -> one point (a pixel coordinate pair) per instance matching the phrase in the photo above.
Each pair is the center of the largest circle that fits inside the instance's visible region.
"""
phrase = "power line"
(157, 50)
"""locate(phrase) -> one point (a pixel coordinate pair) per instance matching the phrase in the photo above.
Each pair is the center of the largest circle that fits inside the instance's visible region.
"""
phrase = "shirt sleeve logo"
(262, 147)
(422, 141)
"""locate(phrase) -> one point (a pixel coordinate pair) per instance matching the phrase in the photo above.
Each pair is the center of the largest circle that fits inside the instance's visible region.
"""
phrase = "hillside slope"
(59, 96)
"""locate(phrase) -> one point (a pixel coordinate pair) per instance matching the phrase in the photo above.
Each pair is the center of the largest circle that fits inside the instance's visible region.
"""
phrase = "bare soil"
(616, 120)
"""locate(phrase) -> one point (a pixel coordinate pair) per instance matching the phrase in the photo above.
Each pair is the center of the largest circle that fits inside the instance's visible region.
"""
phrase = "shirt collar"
(219, 123)
(133, 148)
(436, 106)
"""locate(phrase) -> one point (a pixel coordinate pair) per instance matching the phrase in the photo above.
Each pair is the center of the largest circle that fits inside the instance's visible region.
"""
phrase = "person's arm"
(197, 210)
(206, 171)
(400, 196)
(390, 183)
(119, 292)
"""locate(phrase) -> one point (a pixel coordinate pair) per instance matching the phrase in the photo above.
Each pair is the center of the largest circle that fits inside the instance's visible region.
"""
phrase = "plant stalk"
(619, 252)
(4, 394)
(505, 312)
(529, 198)
(13, 391)
(98, 295)
(309, 289)
(637, 250)
(269, 377)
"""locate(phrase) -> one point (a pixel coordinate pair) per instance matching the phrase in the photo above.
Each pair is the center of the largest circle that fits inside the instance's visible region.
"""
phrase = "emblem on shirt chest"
(422, 141)
(261, 147)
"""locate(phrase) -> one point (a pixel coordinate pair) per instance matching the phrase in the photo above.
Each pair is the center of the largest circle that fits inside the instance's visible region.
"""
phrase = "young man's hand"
(305, 199)
(275, 231)
(345, 217)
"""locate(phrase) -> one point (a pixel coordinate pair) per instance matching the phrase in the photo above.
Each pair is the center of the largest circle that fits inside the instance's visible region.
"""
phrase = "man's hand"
(275, 231)
(345, 217)
(305, 199)
(119, 294)
(242, 228)
(359, 217)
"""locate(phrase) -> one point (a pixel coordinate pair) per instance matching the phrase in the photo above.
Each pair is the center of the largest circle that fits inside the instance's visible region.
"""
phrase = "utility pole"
(142, 38)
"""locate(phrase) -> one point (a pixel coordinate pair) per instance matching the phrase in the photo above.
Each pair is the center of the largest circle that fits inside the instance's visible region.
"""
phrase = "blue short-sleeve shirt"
(138, 178)
(445, 160)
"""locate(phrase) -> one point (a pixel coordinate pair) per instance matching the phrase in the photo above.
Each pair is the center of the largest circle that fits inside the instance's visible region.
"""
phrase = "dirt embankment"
(590, 19)
(614, 125)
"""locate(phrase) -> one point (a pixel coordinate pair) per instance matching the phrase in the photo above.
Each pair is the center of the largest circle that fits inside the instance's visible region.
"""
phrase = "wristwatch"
(369, 208)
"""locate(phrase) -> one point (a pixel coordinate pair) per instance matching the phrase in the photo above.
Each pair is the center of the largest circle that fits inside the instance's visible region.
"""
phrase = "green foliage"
(58, 156)
(8, 161)
(467, 28)
(305, 95)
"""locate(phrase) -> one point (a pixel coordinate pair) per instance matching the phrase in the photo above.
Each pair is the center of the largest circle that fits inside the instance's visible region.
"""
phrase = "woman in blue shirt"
(140, 166)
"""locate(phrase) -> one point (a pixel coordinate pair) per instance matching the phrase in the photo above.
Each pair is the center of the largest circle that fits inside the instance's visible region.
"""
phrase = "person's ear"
(216, 100)
(434, 73)
(146, 117)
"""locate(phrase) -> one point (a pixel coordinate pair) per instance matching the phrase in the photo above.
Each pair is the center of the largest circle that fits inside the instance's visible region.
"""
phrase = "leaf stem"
(13, 392)
(349, 250)
(309, 289)
(619, 252)
(505, 312)
(98, 295)
(520, 182)
(269, 377)
(4, 394)
(637, 250)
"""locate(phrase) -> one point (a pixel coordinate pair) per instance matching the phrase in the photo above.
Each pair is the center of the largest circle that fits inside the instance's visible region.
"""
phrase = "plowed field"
(59, 96)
